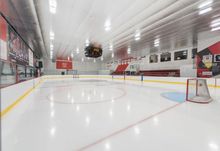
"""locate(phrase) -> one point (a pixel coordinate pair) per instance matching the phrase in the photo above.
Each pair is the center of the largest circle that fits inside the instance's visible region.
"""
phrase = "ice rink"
(109, 75)
(94, 114)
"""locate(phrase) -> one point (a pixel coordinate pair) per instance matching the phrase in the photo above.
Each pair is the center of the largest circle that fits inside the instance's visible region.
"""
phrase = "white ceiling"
(175, 22)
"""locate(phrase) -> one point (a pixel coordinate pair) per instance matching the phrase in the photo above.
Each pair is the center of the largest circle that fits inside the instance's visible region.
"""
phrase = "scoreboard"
(93, 51)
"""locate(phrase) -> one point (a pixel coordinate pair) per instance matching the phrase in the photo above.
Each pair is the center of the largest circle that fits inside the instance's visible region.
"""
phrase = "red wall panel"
(3, 29)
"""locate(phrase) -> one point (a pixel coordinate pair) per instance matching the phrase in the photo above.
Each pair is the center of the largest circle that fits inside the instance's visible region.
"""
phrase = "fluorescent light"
(107, 146)
(216, 28)
(51, 46)
(137, 38)
(213, 146)
(53, 6)
(77, 50)
(137, 35)
(204, 11)
(82, 59)
(205, 4)
(156, 45)
(216, 21)
(52, 35)
(113, 55)
(215, 24)
(72, 55)
(87, 42)
(107, 25)
(129, 50)
(107, 28)
(156, 42)
(94, 61)
(102, 58)
(110, 47)
(51, 54)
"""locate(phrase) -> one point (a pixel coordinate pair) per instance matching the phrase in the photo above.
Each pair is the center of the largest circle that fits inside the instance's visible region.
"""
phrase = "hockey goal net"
(197, 91)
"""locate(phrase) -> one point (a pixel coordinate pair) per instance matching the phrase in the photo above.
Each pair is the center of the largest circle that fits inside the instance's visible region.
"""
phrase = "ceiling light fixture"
(137, 35)
(87, 42)
(110, 47)
(52, 35)
(102, 58)
(107, 25)
(77, 50)
(205, 4)
(82, 59)
(72, 55)
(113, 55)
(129, 50)
(215, 24)
(156, 42)
(53, 6)
(204, 11)
(51, 46)
(51, 54)
(213, 146)
(216, 28)
(216, 20)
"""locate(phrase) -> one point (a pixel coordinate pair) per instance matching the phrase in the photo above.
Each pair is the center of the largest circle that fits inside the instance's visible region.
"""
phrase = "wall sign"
(217, 58)
(31, 58)
(18, 51)
(208, 61)
(3, 39)
(64, 64)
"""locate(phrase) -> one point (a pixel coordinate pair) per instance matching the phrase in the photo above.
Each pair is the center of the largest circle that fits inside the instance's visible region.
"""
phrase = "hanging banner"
(3, 39)
(31, 58)
(207, 61)
(18, 51)
(64, 64)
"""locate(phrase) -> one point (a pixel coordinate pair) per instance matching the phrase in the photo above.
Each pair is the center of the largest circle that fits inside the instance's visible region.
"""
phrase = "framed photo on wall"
(153, 58)
(164, 57)
(217, 58)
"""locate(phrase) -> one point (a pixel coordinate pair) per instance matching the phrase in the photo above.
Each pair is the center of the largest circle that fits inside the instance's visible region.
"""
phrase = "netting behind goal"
(197, 91)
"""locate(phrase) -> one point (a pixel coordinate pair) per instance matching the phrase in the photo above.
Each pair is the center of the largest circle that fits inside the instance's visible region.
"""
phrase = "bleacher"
(120, 69)
(159, 73)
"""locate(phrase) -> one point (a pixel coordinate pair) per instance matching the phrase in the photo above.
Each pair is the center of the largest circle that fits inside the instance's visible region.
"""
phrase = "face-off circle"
(91, 94)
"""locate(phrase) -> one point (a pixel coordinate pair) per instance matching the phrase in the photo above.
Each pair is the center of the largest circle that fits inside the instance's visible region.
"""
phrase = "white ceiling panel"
(75, 21)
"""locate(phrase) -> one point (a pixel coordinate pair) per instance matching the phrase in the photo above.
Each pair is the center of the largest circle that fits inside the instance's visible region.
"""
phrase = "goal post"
(197, 91)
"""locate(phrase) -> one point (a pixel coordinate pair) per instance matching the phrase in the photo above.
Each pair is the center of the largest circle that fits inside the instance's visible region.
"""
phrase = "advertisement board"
(64, 64)
(17, 49)
(208, 61)
(3, 39)
(31, 58)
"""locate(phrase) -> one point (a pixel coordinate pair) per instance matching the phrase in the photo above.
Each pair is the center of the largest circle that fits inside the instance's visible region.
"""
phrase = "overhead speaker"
(39, 64)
